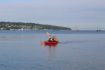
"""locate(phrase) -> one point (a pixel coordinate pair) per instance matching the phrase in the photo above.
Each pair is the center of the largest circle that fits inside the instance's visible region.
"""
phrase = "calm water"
(76, 51)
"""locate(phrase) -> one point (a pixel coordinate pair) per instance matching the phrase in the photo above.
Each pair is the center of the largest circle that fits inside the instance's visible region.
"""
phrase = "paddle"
(50, 36)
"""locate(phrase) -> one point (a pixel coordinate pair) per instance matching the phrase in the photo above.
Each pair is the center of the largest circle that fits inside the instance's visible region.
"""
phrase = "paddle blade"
(48, 34)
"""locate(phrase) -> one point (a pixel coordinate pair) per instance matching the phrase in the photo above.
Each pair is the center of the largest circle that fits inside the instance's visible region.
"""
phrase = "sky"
(76, 14)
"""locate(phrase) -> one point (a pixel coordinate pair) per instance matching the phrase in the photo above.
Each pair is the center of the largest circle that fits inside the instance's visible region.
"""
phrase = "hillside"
(29, 26)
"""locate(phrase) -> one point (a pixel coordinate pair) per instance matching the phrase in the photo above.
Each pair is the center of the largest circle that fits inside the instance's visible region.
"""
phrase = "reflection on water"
(51, 52)
(50, 49)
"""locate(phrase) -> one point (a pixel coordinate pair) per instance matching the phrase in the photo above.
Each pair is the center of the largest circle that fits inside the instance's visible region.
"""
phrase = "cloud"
(60, 12)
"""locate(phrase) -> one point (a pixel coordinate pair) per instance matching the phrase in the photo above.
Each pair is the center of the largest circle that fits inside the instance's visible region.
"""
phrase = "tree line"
(29, 26)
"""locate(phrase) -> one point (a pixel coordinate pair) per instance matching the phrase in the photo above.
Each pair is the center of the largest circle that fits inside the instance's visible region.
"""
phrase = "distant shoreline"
(21, 26)
(69, 31)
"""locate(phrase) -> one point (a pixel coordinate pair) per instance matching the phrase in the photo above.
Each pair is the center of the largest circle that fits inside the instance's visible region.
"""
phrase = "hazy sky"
(77, 14)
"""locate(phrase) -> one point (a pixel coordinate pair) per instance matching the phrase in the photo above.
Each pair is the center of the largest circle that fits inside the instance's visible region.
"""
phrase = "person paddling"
(51, 38)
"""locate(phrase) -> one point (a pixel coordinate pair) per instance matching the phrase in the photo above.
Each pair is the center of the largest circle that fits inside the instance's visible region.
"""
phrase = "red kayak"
(46, 43)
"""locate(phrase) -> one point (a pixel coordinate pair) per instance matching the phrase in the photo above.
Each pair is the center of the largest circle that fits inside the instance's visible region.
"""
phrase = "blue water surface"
(21, 50)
